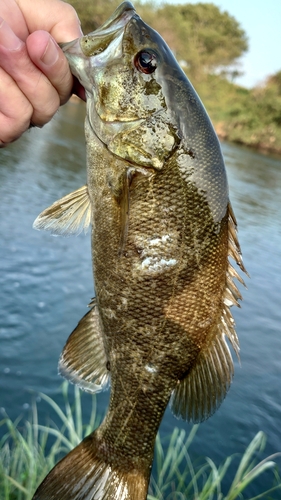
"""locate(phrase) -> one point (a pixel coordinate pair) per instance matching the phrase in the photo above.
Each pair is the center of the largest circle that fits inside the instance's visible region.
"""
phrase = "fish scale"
(162, 231)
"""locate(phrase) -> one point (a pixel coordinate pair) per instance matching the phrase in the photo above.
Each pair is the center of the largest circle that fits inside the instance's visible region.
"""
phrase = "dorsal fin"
(234, 249)
(201, 392)
(69, 215)
(83, 360)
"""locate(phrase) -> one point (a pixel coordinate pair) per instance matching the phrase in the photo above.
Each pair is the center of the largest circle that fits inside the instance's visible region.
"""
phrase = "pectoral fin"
(83, 360)
(124, 202)
(69, 215)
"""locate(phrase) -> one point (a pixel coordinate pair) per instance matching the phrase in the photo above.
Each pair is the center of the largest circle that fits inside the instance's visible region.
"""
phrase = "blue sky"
(261, 19)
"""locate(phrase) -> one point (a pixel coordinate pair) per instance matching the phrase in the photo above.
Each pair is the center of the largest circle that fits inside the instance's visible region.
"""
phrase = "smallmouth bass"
(162, 232)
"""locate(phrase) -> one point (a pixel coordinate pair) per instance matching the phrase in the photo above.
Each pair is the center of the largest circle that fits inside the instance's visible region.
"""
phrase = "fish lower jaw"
(110, 124)
(112, 120)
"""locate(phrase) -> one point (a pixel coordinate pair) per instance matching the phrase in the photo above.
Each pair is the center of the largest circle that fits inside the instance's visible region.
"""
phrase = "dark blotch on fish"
(191, 153)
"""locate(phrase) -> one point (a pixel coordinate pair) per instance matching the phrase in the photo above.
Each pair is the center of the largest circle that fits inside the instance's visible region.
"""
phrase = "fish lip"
(96, 42)
(120, 17)
(113, 126)
(85, 52)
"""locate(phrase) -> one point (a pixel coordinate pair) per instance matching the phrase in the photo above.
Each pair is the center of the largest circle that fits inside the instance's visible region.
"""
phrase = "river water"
(46, 284)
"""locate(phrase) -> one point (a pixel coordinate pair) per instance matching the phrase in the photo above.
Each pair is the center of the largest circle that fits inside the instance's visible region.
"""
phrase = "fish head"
(143, 108)
(122, 66)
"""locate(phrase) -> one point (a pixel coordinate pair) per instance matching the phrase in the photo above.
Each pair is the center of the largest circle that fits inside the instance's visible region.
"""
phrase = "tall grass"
(28, 450)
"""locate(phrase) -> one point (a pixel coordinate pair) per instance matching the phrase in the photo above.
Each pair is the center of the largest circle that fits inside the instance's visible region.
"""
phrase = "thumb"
(49, 58)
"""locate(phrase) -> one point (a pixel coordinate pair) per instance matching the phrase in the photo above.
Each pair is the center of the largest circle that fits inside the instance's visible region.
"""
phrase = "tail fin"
(85, 475)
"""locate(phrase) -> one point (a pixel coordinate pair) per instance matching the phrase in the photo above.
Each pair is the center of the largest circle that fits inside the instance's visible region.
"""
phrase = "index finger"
(63, 24)
(34, 85)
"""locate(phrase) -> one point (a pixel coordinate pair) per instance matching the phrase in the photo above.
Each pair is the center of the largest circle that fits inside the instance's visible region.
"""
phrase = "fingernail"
(8, 39)
(51, 53)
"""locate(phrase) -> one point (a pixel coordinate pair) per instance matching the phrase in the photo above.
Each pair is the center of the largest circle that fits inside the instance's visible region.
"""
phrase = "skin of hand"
(34, 74)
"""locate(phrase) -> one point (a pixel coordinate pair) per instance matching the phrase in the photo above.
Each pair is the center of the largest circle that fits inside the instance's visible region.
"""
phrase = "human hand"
(34, 74)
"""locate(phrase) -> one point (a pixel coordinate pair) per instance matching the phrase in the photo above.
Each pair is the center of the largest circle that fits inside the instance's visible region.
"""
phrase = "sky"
(261, 20)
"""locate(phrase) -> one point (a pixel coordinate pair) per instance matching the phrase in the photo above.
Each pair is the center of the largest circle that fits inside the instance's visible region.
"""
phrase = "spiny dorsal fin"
(231, 292)
(234, 249)
(69, 215)
(83, 360)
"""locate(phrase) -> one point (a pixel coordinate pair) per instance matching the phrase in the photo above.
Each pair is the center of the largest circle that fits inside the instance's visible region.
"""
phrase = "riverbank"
(250, 117)
(260, 145)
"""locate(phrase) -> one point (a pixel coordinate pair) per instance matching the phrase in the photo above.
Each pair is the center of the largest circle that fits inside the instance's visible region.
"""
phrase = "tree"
(201, 35)
(93, 13)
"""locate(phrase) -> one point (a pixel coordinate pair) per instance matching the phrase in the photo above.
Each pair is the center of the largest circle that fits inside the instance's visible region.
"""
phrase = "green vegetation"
(250, 117)
(208, 43)
(28, 450)
(202, 37)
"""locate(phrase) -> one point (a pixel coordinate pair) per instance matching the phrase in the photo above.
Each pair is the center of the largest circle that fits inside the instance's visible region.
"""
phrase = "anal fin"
(69, 215)
(83, 360)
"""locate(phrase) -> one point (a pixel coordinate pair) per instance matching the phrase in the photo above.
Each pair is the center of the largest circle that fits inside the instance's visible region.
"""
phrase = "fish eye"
(146, 61)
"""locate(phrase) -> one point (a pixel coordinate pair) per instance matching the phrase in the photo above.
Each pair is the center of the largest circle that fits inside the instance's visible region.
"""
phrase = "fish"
(159, 329)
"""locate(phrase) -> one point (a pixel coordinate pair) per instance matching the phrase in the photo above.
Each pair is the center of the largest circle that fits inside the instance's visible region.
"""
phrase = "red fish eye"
(146, 61)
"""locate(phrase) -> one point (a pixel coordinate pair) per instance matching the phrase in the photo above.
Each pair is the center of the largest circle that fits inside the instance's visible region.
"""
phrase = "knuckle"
(15, 122)
(43, 115)
(10, 130)
(70, 14)
(16, 109)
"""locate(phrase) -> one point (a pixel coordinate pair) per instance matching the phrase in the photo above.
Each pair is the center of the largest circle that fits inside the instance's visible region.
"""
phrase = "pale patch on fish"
(124, 302)
(162, 239)
(150, 368)
(109, 313)
(156, 265)
(157, 255)
(228, 302)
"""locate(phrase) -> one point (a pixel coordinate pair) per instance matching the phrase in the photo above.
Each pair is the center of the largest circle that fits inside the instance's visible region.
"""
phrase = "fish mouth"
(119, 18)
(97, 41)
(92, 50)
(110, 128)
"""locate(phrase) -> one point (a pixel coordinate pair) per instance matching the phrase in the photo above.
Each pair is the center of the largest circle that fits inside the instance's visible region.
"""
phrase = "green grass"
(28, 450)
